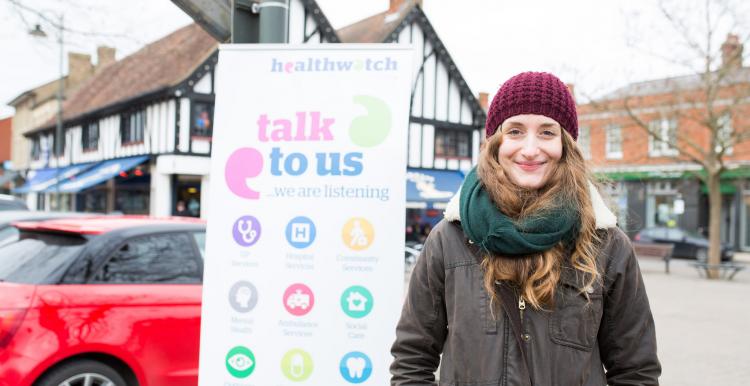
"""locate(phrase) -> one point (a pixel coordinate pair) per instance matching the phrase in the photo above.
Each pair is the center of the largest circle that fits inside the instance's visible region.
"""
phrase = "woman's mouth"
(530, 166)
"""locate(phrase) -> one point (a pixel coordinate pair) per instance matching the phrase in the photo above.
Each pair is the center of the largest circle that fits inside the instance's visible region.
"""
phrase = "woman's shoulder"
(617, 252)
(615, 238)
(448, 242)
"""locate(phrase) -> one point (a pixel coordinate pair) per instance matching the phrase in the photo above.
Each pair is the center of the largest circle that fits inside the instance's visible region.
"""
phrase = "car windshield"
(692, 233)
(35, 257)
(8, 235)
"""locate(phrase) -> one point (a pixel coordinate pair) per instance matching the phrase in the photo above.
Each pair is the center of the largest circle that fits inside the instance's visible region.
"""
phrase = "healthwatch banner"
(304, 267)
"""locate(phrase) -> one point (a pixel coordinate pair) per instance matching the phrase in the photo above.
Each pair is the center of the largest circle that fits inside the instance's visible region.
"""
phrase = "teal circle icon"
(371, 129)
(297, 365)
(240, 362)
(356, 302)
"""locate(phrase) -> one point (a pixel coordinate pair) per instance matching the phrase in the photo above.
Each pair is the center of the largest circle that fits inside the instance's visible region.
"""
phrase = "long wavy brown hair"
(537, 275)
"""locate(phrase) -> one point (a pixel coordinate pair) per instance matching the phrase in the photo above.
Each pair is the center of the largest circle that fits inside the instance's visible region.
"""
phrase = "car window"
(200, 240)
(163, 258)
(36, 257)
(674, 234)
(647, 233)
(8, 235)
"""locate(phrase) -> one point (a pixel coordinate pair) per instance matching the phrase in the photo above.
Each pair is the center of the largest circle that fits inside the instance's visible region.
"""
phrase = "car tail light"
(10, 320)
(637, 238)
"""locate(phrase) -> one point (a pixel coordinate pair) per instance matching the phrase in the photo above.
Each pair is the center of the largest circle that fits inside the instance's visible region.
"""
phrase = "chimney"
(396, 5)
(104, 57)
(79, 68)
(484, 100)
(731, 52)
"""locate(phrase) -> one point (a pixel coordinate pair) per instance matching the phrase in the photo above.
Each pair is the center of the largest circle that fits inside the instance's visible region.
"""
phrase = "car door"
(151, 287)
(681, 247)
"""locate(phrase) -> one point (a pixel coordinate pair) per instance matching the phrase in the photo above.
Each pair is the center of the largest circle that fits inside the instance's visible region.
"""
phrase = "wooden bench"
(726, 270)
(655, 250)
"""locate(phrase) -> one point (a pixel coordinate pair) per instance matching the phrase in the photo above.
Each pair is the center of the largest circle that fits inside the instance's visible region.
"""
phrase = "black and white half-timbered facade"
(446, 122)
(138, 134)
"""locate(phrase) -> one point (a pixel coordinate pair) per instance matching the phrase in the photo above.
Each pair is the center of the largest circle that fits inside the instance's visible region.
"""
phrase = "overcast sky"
(597, 45)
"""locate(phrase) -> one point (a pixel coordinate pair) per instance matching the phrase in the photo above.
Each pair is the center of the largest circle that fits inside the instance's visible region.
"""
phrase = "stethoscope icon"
(245, 227)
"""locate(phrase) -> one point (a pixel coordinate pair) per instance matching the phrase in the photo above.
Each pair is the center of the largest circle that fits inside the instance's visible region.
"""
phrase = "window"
(90, 136)
(35, 258)
(674, 234)
(584, 141)
(452, 143)
(164, 258)
(614, 141)
(724, 134)
(667, 133)
(202, 122)
(63, 138)
(36, 148)
(132, 126)
(200, 240)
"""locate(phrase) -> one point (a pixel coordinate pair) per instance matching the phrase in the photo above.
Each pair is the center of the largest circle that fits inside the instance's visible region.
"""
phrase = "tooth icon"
(356, 366)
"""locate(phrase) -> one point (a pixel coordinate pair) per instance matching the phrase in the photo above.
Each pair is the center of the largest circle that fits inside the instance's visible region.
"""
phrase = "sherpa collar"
(604, 217)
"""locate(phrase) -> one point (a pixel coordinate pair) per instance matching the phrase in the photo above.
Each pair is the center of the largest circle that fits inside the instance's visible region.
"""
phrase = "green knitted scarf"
(493, 231)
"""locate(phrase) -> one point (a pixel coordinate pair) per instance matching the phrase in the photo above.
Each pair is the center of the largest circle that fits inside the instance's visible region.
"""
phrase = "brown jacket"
(610, 340)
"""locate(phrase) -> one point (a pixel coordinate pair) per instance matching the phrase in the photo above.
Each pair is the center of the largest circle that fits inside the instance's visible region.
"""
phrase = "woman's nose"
(530, 147)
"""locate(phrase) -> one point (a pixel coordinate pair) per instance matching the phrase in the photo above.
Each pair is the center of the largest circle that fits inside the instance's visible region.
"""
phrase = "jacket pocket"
(575, 320)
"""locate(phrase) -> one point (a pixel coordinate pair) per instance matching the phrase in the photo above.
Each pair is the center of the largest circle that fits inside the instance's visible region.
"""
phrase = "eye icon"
(240, 362)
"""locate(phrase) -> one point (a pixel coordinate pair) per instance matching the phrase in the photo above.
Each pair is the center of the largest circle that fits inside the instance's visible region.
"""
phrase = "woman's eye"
(514, 132)
(548, 133)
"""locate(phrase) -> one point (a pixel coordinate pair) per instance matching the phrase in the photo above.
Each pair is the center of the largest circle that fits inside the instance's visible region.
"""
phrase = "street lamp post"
(58, 139)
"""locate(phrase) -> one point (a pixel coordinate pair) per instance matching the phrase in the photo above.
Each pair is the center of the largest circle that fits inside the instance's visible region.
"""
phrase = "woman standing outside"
(527, 280)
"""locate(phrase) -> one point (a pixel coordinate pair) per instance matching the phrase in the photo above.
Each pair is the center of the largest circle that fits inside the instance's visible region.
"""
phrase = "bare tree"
(710, 105)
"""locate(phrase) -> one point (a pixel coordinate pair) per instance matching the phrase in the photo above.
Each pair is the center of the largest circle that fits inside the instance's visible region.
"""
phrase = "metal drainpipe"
(274, 16)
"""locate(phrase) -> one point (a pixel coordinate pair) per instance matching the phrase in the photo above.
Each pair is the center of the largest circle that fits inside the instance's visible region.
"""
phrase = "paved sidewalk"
(702, 326)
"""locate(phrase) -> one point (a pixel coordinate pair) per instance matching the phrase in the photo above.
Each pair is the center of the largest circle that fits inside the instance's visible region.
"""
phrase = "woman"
(527, 280)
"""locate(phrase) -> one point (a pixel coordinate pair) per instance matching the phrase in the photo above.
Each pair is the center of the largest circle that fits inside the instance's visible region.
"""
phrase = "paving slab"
(702, 326)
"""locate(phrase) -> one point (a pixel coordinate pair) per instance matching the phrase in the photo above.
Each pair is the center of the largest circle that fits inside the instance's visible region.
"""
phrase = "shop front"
(118, 185)
(41, 187)
(427, 194)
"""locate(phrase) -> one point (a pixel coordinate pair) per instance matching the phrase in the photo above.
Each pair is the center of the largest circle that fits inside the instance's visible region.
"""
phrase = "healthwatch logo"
(365, 131)
(333, 65)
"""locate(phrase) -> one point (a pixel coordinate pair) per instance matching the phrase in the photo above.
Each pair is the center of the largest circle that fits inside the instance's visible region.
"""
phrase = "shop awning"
(42, 180)
(426, 188)
(100, 173)
(724, 188)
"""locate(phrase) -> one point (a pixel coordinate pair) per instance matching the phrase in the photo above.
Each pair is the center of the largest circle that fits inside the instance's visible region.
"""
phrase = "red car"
(108, 300)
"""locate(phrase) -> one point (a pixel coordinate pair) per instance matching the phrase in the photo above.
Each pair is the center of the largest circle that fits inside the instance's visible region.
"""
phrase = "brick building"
(653, 183)
(5, 134)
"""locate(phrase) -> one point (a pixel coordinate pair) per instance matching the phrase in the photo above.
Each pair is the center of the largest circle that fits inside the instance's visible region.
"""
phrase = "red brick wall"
(635, 139)
(5, 138)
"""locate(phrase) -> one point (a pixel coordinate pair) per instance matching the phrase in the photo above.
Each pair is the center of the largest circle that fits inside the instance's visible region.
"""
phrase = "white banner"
(305, 246)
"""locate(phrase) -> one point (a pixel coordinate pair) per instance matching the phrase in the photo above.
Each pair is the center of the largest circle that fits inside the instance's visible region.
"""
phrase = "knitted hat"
(533, 93)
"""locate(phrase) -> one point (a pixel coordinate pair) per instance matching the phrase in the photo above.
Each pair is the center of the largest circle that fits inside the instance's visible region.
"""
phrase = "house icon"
(356, 301)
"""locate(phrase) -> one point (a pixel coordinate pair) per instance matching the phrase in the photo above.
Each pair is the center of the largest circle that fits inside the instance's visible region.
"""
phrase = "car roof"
(95, 225)
(9, 216)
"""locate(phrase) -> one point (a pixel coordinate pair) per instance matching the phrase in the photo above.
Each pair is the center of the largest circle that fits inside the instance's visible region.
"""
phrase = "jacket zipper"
(521, 308)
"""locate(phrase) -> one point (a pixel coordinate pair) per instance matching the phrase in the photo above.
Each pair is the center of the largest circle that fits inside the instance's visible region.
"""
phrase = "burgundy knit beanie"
(533, 93)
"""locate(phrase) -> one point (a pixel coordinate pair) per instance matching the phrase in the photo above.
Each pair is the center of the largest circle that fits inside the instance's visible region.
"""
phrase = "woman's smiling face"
(530, 148)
